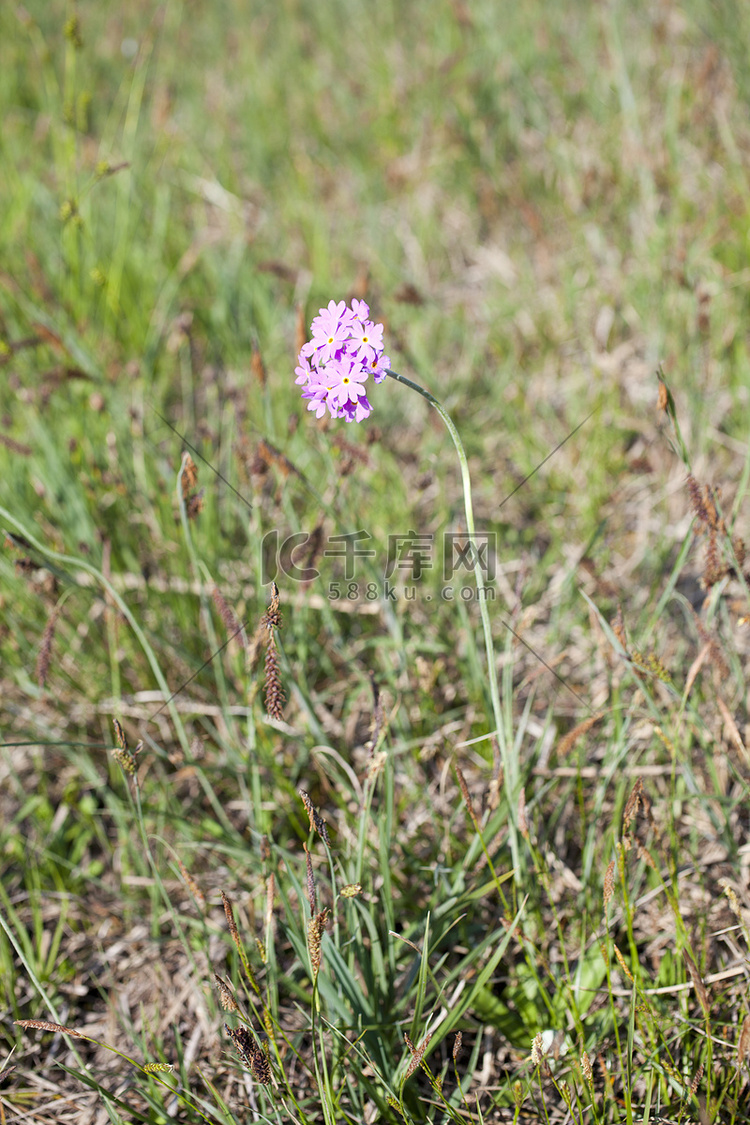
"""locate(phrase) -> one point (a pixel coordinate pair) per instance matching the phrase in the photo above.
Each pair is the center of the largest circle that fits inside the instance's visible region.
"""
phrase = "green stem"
(509, 770)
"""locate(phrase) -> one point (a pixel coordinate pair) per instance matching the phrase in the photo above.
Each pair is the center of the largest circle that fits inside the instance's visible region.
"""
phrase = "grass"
(548, 208)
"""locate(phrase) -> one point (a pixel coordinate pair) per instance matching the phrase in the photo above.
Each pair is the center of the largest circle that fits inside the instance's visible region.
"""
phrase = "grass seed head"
(188, 475)
(122, 753)
(632, 805)
(226, 613)
(229, 912)
(226, 996)
(47, 1025)
(523, 824)
(743, 1042)
(311, 892)
(623, 964)
(193, 887)
(467, 797)
(45, 649)
(417, 1053)
(253, 1056)
(274, 691)
(588, 1073)
(270, 890)
(257, 366)
(618, 628)
(700, 988)
(315, 928)
(351, 890)
(317, 823)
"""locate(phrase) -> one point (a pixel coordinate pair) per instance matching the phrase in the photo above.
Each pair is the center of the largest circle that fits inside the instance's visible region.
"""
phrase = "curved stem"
(509, 771)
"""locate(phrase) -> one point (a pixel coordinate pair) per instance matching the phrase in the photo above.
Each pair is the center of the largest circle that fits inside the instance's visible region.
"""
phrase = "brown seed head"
(609, 882)
(315, 928)
(417, 1053)
(257, 366)
(226, 613)
(743, 1042)
(229, 912)
(45, 649)
(663, 399)
(188, 475)
(467, 797)
(46, 1025)
(623, 964)
(696, 1080)
(254, 1058)
(311, 893)
(317, 824)
(523, 824)
(633, 802)
(274, 691)
(195, 890)
(226, 996)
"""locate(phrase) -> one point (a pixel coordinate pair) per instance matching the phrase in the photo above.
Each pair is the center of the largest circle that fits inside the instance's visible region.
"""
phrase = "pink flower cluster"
(345, 348)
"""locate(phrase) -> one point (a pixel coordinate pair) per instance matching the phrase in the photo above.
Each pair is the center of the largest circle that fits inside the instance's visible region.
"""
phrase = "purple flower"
(334, 365)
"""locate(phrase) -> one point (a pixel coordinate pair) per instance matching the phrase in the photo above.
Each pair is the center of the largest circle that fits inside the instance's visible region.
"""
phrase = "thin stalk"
(509, 765)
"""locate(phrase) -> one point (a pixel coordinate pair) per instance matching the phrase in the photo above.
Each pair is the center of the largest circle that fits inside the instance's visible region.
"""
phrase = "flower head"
(333, 366)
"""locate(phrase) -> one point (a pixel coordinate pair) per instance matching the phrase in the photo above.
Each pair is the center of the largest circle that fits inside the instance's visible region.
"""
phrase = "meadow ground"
(302, 881)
